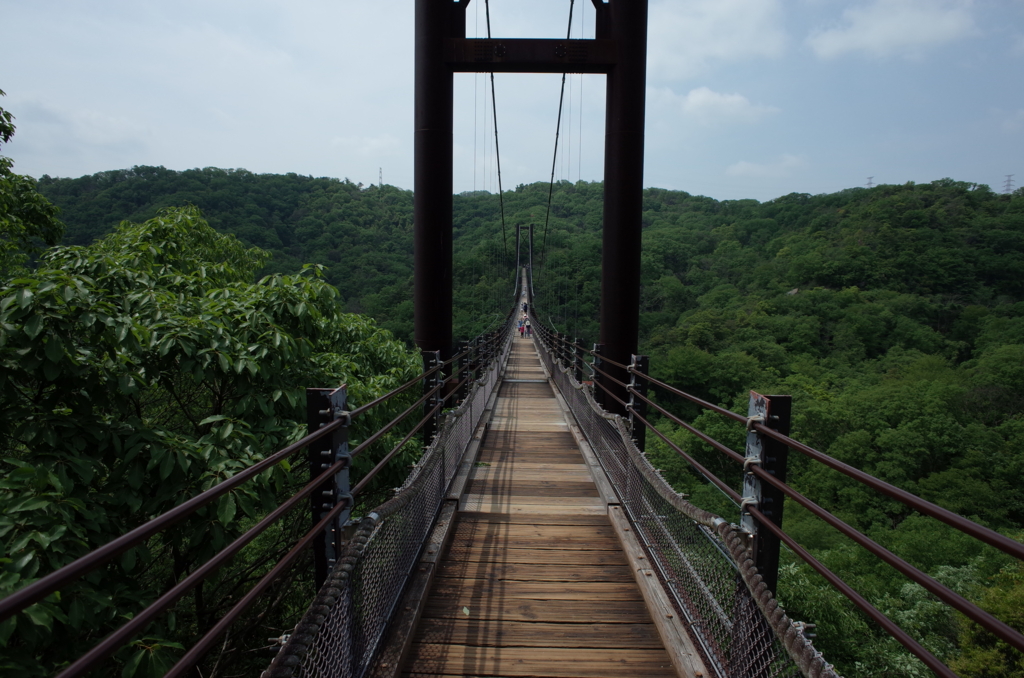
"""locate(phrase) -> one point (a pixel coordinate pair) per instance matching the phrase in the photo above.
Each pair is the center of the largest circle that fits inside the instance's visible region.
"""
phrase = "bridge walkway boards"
(535, 582)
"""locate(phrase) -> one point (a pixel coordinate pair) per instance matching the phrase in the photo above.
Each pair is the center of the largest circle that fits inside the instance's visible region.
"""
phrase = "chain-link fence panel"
(341, 632)
(700, 559)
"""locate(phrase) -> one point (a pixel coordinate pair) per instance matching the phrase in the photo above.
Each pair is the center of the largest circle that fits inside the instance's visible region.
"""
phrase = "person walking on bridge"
(529, 329)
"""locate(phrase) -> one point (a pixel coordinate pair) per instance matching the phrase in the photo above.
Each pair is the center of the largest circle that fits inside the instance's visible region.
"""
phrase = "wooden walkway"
(535, 582)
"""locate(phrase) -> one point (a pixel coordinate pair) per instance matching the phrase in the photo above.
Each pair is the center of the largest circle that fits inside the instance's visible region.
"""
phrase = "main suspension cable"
(554, 158)
(579, 145)
(497, 151)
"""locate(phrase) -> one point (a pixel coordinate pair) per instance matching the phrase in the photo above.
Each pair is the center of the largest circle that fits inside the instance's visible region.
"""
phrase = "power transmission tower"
(870, 182)
(1008, 184)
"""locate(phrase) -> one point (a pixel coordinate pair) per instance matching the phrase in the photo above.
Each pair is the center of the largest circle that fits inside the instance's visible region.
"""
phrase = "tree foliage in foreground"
(141, 370)
(28, 221)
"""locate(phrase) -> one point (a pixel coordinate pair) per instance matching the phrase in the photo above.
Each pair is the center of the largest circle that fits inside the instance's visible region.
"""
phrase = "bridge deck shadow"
(535, 581)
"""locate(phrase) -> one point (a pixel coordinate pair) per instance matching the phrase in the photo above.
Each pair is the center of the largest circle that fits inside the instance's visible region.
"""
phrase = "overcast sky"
(745, 99)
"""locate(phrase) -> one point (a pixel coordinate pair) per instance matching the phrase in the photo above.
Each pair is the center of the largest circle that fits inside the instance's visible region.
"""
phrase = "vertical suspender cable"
(519, 247)
(497, 150)
(554, 159)
(579, 145)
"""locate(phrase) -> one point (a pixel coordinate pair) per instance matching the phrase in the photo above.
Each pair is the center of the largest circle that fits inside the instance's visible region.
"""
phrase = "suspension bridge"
(532, 537)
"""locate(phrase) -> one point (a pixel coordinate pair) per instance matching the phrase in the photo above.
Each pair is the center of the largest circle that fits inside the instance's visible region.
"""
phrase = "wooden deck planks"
(473, 660)
(534, 582)
(486, 530)
(533, 572)
(539, 556)
(536, 488)
(538, 634)
(485, 589)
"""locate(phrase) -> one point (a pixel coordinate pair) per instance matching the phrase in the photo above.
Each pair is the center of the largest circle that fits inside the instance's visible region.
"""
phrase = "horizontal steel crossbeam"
(529, 55)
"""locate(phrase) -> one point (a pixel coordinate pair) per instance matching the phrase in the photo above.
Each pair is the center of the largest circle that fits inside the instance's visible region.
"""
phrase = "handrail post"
(751, 627)
(772, 456)
(598, 391)
(474, 361)
(641, 364)
(775, 461)
(577, 360)
(324, 405)
(462, 372)
(430, 360)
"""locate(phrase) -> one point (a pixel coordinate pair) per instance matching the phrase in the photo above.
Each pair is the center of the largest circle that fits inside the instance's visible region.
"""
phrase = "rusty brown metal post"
(436, 22)
(323, 406)
(619, 49)
(623, 187)
(775, 461)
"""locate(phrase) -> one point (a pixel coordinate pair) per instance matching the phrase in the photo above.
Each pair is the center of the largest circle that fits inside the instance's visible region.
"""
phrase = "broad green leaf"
(30, 505)
(54, 348)
(7, 628)
(24, 297)
(39, 616)
(127, 383)
(34, 326)
(167, 465)
(212, 418)
(51, 371)
(128, 560)
(226, 509)
(131, 667)
(40, 538)
(8, 579)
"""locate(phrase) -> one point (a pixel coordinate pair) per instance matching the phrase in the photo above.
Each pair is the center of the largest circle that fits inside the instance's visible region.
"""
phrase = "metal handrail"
(946, 595)
(54, 581)
(610, 377)
(692, 398)
(77, 569)
(929, 660)
(608, 392)
(969, 527)
(998, 628)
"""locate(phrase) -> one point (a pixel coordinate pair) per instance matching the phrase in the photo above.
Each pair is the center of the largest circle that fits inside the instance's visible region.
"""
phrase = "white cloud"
(1012, 121)
(709, 107)
(1018, 45)
(895, 27)
(83, 128)
(779, 169)
(382, 144)
(685, 37)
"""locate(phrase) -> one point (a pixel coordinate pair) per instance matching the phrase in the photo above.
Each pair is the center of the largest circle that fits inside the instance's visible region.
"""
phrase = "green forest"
(894, 316)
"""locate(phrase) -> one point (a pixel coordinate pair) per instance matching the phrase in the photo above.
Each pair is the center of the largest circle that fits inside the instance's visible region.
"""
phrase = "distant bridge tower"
(619, 50)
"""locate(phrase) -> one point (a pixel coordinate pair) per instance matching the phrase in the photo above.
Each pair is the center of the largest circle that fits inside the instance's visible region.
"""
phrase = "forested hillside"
(893, 315)
(144, 368)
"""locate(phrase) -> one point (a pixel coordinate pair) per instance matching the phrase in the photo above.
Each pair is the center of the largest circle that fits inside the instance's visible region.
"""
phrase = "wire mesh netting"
(694, 554)
(342, 631)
